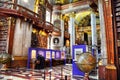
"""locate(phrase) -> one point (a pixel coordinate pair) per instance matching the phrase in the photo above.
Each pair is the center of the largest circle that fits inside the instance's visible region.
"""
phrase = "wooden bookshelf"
(116, 20)
(3, 34)
(116, 12)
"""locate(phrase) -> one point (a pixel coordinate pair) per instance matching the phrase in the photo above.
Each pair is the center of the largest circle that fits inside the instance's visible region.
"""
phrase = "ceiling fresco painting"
(83, 19)
(62, 2)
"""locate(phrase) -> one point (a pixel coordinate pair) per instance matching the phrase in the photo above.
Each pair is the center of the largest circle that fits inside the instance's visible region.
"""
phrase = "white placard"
(77, 53)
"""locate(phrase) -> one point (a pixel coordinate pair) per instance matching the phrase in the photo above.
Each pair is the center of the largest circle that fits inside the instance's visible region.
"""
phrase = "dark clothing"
(40, 62)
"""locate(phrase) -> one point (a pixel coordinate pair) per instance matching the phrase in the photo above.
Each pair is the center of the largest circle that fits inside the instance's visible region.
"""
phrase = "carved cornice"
(79, 3)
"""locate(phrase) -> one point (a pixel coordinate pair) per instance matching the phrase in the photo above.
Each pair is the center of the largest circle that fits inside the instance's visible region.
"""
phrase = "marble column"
(62, 33)
(103, 61)
(72, 31)
(94, 34)
(102, 34)
(94, 38)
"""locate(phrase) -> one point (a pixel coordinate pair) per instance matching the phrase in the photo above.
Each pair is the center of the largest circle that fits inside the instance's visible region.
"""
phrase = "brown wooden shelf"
(117, 2)
(3, 38)
(118, 15)
(117, 26)
(117, 21)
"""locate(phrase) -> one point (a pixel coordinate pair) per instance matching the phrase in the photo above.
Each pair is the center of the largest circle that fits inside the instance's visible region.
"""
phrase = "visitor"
(40, 62)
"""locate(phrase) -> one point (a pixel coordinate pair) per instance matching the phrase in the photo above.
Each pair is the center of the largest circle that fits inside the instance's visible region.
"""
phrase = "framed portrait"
(48, 55)
(53, 54)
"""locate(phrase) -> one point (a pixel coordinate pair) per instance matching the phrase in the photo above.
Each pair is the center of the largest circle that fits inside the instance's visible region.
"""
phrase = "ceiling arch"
(62, 2)
(83, 19)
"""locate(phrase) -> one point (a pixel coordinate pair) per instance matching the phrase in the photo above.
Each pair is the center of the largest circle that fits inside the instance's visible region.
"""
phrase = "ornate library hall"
(59, 39)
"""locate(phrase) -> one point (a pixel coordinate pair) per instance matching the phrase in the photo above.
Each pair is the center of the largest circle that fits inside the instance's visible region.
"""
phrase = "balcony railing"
(13, 10)
(16, 10)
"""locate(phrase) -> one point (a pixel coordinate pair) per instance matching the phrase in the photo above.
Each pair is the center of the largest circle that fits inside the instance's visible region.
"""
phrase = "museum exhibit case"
(52, 57)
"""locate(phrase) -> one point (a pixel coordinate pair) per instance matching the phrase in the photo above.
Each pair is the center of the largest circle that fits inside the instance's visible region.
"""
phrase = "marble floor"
(61, 72)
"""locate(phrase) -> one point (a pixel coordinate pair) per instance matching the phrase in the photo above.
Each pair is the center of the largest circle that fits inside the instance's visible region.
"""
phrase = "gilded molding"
(72, 14)
(110, 66)
(106, 1)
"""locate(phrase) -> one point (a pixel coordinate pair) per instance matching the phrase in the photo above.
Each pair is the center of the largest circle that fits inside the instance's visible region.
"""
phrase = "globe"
(86, 62)
(4, 58)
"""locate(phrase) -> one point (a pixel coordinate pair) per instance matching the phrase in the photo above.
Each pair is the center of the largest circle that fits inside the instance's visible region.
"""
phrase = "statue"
(86, 62)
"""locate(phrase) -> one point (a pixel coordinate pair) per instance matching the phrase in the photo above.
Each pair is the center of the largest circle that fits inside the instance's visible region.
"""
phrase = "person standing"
(40, 62)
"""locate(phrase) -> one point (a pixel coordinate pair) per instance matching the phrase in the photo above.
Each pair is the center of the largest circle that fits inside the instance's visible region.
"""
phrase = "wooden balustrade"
(15, 10)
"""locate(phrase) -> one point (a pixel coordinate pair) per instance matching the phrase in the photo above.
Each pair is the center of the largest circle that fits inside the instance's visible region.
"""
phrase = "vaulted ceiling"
(63, 2)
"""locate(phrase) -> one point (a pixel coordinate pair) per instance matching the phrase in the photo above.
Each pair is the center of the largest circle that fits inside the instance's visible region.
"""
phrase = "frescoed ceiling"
(82, 16)
(62, 2)
(82, 19)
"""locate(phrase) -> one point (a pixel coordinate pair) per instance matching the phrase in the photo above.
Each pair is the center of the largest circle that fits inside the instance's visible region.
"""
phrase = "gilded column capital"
(106, 1)
(64, 17)
(72, 14)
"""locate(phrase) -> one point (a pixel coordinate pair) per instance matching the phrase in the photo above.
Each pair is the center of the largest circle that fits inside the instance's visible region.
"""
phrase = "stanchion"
(65, 77)
(44, 74)
(50, 75)
(61, 73)
(86, 77)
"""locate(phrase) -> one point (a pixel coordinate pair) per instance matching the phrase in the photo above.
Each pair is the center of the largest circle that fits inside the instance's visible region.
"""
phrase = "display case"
(41, 52)
(53, 54)
(52, 57)
(63, 55)
(76, 51)
(57, 55)
(59, 58)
